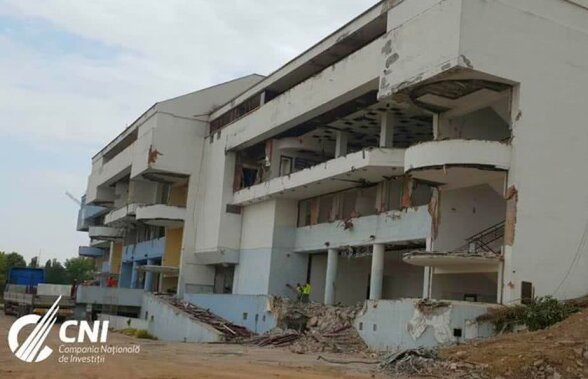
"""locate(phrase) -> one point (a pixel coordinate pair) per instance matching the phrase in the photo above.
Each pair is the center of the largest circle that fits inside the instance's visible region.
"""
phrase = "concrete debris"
(426, 362)
(318, 327)
(231, 331)
(276, 338)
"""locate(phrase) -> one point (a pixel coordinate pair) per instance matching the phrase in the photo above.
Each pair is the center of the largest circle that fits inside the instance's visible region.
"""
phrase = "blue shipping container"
(26, 276)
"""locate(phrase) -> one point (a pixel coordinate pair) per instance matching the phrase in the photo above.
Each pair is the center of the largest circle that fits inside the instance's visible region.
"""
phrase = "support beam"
(331, 276)
(377, 274)
(134, 275)
(387, 130)
(341, 141)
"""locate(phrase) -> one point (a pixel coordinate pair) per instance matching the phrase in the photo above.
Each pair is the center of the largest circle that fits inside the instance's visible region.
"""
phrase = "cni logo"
(33, 349)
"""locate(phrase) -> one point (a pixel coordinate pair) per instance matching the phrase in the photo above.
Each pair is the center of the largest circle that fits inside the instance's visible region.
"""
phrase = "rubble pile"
(312, 327)
(228, 329)
(275, 338)
(559, 351)
(426, 362)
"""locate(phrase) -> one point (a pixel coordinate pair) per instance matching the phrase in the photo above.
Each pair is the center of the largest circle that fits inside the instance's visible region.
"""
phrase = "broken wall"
(466, 211)
(382, 332)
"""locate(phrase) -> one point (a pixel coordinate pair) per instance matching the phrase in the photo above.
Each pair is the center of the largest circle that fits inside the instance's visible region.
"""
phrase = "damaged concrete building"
(427, 149)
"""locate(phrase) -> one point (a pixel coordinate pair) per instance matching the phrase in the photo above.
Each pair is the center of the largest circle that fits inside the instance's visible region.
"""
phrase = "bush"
(546, 311)
(141, 333)
(539, 314)
(137, 333)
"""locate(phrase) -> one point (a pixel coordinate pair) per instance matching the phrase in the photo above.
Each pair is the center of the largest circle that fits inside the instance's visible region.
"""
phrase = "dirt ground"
(158, 359)
(558, 351)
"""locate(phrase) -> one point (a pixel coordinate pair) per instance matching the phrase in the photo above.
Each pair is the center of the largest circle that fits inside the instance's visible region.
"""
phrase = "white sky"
(73, 74)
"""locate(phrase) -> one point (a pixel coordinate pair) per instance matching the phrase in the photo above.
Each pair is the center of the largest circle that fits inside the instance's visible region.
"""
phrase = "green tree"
(79, 269)
(55, 273)
(34, 263)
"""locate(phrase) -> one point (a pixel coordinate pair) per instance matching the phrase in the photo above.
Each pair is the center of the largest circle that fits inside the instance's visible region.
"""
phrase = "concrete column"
(377, 275)
(134, 275)
(426, 282)
(149, 277)
(341, 143)
(387, 130)
(500, 283)
(331, 275)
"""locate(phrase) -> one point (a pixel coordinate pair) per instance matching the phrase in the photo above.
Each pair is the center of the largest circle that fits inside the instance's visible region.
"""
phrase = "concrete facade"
(417, 151)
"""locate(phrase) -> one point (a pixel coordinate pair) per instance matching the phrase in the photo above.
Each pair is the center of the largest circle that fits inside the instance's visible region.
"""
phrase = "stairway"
(484, 241)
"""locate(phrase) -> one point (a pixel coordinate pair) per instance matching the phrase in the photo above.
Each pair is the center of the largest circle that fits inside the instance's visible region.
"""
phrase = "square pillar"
(377, 273)
(341, 143)
(331, 276)
(426, 282)
(149, 277)
(387, 130)
(134, 275)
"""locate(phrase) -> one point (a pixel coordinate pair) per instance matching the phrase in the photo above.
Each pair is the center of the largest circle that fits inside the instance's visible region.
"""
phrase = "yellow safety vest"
(306, 289)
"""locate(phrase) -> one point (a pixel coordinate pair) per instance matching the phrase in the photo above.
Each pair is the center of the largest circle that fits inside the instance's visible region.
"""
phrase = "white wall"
(267, 260)
(456, 286)
(168, 323)
(465, 212)
(543, 45)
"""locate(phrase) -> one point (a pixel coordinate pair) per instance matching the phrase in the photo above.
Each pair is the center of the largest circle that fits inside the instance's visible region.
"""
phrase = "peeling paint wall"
(417, 54)
(380, 331)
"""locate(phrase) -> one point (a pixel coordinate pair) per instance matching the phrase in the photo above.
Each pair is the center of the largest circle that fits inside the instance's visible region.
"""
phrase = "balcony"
(366, 166)
(458, 163)
(105, 233)
(90, 252)
(105, 172)
(341, 82)
(455, 262)
(100, 243)
(413, 224)
(144, 250)
(161, 215)
(119, 217)
(87, 214)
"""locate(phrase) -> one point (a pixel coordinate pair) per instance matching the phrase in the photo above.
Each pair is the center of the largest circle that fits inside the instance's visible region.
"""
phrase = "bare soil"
(158, 359)
(558, 351)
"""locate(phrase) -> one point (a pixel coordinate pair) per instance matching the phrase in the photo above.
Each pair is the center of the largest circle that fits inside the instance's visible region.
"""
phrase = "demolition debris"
(228, 329)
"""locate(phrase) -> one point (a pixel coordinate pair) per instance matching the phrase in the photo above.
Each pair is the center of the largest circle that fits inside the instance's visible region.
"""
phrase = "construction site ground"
(159, 359)
(560, 351)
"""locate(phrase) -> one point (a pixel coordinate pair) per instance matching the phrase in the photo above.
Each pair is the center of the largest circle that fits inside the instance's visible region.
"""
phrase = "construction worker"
(306, 289)
(298, 291)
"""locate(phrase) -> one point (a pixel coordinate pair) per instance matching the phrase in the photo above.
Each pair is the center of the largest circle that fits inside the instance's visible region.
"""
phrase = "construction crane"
(68, 194)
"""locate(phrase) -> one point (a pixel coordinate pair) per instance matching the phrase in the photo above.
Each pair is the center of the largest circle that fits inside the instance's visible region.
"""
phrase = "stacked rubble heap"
(312, 327)
(230, 331)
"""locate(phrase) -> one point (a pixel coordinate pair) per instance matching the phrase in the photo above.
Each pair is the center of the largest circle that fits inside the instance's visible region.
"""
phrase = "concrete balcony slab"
(390, 227)
(458, 163)
(121, 216)
(161, 215)
(91, 252)
(105, 233)
(366, 166)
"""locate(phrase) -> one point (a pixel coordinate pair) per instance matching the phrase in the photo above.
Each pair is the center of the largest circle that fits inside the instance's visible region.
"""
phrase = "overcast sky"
(73, 74)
